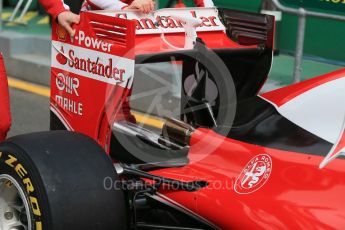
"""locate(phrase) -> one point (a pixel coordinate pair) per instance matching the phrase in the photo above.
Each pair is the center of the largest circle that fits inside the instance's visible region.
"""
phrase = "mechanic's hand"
(144, 6)
(66, 19)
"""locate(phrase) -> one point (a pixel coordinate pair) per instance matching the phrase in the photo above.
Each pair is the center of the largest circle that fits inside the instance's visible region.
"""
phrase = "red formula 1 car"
(230, 159)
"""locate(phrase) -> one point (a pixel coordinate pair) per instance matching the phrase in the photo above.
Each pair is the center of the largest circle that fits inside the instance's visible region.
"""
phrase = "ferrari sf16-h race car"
(230, 159)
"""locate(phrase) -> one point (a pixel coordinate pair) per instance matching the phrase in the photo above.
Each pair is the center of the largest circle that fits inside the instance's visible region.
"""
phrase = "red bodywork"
(295, 194)
(298, 195)
(5, 113)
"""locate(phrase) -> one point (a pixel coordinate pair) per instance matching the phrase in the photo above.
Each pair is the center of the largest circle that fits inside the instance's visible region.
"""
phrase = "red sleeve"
(199, 3)
(53, 7)
(204, 3)
(128, 2)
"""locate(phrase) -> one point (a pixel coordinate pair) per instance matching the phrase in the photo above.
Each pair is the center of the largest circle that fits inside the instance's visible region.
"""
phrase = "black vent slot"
(248, 28)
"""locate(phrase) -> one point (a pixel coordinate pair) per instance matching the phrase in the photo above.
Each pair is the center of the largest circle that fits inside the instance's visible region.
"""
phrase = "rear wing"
(220, 28)
(161, 21)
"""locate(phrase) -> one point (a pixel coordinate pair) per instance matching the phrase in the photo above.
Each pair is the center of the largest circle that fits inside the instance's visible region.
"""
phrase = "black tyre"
(55, 180)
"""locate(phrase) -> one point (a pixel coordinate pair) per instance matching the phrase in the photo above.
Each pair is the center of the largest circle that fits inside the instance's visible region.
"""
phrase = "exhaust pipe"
(5, 112)
(177, 132)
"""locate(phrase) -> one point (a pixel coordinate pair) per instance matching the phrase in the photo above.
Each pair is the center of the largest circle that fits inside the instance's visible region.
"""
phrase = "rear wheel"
(56, 180)
(14, 205)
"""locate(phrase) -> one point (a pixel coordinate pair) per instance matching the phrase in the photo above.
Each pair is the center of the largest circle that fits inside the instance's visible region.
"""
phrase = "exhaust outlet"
(177, 131)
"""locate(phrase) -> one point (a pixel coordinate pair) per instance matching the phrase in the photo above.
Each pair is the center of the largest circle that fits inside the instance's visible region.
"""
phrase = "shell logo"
(61, 33)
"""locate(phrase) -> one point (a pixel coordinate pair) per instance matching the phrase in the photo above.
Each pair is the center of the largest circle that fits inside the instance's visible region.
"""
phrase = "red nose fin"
(5, 113)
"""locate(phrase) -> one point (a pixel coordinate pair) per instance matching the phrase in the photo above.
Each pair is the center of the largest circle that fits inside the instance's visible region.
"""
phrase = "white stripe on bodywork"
(320, 110)
(333, 154)
(100, 57)
(155, 17)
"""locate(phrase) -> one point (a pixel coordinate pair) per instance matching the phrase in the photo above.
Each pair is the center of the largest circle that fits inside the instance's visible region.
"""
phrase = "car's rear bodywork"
(246, 49)
(263, 173)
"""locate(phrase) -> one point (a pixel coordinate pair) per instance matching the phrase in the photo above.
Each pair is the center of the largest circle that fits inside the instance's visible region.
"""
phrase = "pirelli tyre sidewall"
(14, 164)
(62, 176)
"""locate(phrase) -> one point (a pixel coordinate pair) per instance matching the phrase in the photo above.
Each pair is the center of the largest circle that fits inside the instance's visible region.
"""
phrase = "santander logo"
(61, 58)
(167, 22)
(104, 68)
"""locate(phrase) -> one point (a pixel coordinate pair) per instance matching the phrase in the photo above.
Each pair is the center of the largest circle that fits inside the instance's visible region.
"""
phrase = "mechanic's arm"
(144, 6)
(204, 3)
(60, 12)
